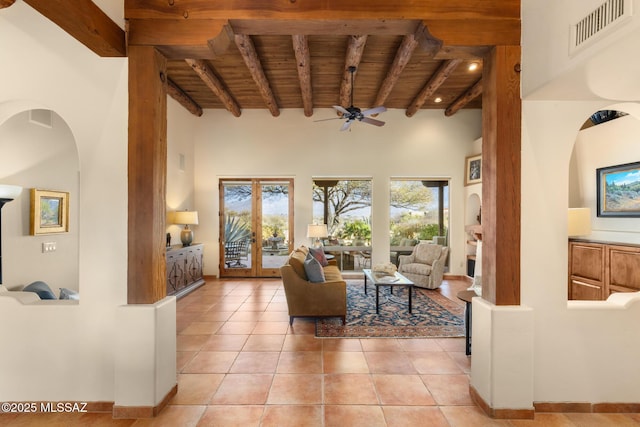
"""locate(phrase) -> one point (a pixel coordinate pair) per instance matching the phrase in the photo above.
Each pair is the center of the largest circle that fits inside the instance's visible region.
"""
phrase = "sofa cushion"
(426, 253)
(332, 273)
(69, 294)
(318, 253)
(416, 268)
(296, 261)
(314, 270)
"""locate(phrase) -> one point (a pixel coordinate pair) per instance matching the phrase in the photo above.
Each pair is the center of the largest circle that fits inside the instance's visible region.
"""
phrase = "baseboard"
(508, 414)
(212, 277)
(455, 277)
(587, 408)
(130, 412)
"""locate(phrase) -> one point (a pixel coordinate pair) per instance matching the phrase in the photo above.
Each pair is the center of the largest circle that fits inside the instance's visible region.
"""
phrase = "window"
(419, 210)
(345, 206)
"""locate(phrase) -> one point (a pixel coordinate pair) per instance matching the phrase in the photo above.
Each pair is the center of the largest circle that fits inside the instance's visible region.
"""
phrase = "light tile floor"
(241, 364)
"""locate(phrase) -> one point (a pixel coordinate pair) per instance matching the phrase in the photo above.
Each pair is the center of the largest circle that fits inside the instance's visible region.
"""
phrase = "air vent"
(608, 15)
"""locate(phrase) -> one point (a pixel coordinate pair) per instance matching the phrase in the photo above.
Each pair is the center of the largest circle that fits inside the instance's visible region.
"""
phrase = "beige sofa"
(307, 299)
(425, 266)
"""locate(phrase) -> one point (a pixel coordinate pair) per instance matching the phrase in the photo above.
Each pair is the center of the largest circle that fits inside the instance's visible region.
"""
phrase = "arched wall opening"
(39, 151)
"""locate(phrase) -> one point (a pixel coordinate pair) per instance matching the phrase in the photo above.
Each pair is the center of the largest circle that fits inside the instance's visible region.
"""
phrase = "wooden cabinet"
(184, 269)
(597, 269)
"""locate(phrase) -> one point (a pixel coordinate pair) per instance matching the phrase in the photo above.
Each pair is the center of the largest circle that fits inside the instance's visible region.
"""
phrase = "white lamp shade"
(317, 230)
(579, 221)
(186, 217)
(9, 192)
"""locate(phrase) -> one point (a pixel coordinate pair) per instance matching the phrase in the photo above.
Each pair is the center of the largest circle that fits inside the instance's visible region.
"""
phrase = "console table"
(184, 269)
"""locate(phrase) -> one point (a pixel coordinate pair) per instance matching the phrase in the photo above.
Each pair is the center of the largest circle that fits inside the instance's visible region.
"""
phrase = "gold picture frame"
(49, 212)
(473, 170)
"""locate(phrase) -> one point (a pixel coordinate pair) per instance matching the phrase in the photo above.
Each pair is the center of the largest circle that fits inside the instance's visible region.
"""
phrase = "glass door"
(256, 229)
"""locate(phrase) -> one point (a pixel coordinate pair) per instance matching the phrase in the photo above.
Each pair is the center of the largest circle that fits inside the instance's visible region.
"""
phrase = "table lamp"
(187, 218)
(579, 221)
(317, 231)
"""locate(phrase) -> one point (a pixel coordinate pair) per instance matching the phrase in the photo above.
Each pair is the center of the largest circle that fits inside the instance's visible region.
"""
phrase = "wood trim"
(86, 22)
(131, 412)
(6, 3)
(501, 175)
(500, 413)
(147, 171)
(587, 408)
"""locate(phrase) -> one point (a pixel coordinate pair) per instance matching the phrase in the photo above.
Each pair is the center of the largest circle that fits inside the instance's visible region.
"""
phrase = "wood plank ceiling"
(248, 54)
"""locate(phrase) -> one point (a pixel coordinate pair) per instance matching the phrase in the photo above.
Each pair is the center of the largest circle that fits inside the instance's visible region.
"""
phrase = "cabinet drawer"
(587, 260)
(624, 268)
(584, 289)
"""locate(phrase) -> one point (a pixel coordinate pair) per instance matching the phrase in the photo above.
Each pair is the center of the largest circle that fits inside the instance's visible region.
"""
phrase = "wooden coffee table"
(386, 280)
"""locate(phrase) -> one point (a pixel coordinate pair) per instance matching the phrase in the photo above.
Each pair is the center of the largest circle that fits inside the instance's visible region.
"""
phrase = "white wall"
(258, 145)
(47, 159)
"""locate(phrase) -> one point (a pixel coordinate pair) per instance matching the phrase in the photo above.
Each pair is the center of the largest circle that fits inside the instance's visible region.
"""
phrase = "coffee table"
(386, 280)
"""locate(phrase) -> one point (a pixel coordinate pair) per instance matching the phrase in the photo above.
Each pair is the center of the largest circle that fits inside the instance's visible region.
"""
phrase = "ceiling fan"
(352, 113)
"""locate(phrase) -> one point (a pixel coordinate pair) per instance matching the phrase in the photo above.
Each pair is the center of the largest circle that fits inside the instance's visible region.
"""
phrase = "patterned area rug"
(433, 315)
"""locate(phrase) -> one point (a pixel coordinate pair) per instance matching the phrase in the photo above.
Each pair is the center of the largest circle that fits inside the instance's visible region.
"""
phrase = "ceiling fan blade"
(341, 109)
(346, 125)
(332, 118)
(376, 110)
(371, 121)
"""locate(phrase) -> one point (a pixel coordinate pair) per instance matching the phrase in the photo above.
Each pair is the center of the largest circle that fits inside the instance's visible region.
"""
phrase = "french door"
(256, 226)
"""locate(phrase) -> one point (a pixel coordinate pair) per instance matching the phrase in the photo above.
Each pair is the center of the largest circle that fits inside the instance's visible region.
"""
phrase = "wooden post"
(501, 154)
(146, 274)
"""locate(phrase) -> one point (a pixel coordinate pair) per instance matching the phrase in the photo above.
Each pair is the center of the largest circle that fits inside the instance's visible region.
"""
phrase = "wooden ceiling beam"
(338, 27)
(436, 80)
(248, 51)
(355, 48)
(324, 10)
(212, 36)
(303, 62)
(86, 22)
(209, 78)
(464, 99)
(403, 55)
(6, 3)
(183, 98)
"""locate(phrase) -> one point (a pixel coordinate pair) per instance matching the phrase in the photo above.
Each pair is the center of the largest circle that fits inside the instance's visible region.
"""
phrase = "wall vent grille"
(608, 15)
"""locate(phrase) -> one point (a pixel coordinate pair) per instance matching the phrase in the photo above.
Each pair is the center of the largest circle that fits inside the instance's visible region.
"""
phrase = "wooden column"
(147, 175)
(501, 133)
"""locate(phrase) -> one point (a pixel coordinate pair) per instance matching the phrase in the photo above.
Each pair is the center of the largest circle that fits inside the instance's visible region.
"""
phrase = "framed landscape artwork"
(619, 190)
(49, 212)
(473, 170)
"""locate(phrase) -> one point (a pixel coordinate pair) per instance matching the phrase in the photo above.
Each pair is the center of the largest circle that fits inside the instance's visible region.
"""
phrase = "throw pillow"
(42, 289)
(314, 270)
(69, 294)
(318, 253)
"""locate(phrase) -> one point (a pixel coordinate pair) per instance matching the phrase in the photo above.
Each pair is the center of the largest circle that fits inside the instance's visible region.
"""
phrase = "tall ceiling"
(255, 54)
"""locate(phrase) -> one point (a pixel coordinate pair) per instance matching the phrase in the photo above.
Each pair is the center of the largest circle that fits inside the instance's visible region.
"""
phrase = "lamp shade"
(579, 221)
(186, 217)
(317, 230)
(9, 192)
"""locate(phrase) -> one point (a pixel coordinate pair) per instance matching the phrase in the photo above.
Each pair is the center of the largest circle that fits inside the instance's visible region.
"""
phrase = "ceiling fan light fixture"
(437, 100)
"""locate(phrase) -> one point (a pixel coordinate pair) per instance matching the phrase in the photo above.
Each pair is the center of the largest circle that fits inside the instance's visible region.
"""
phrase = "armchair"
(425, 266)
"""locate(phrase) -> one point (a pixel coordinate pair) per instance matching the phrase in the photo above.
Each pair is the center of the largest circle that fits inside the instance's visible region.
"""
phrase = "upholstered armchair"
(425, 266)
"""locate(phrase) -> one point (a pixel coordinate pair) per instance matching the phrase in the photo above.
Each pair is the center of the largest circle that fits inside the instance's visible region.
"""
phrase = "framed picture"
(473, 170)
(619, 190)
(49, 212)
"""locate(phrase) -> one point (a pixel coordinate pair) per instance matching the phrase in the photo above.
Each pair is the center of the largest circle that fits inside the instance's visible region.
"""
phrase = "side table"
(466, 296)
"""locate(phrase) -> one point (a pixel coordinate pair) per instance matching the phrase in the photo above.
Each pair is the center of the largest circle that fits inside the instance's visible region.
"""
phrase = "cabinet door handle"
(588, 285)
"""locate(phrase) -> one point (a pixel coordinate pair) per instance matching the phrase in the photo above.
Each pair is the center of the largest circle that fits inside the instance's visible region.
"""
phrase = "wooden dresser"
(598, 269)
(184, 269)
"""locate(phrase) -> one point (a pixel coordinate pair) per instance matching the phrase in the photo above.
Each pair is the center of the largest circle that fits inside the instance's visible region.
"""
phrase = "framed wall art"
(473, 170)
(618, 190)
(49, 212)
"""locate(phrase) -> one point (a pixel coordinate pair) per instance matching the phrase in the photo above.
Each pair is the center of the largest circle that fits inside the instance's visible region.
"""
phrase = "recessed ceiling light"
(473, 66)
(437, 100)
